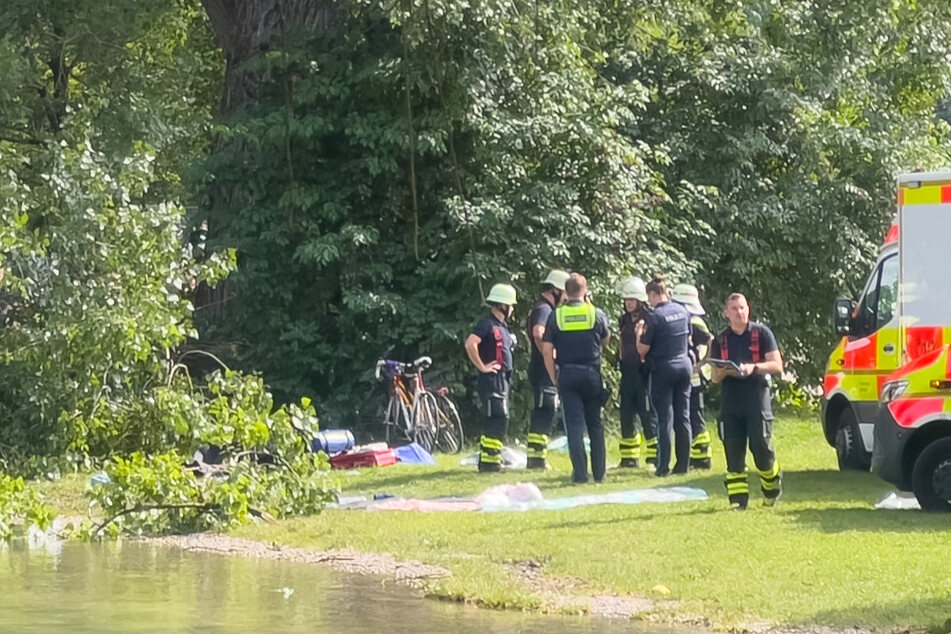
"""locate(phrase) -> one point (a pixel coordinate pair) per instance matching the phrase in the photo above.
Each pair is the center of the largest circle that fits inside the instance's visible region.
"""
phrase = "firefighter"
(489, 348)
(745, 413)
(663, 340)
(700, 453)
(543, 390)
(574, 336)
(635, 386)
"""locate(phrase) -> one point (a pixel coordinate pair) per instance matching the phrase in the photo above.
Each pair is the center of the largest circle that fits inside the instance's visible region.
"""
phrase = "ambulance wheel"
(848, 444)
(931, 477)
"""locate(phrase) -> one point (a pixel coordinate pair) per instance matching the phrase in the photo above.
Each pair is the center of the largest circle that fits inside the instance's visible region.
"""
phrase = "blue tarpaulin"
(413, 453)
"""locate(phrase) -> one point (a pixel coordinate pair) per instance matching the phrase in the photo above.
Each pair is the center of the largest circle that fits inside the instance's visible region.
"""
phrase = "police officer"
(663, 340)
(575, 333)
(543, 390)
(746, 415)
(489, 348)
(634, 379)
(686, 295)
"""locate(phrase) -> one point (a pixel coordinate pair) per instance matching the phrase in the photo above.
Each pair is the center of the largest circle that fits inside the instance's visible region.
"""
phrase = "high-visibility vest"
(576, 317)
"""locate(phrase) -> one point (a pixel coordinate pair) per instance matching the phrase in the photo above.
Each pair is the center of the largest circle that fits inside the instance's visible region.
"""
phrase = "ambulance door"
(873, 351)
(925, 217)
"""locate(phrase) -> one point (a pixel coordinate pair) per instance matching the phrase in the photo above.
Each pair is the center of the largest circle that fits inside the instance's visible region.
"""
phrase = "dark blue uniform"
(544, 391)
(746, 414)
(495, 345)
(667, 333)
(635, 396)
(577, 341)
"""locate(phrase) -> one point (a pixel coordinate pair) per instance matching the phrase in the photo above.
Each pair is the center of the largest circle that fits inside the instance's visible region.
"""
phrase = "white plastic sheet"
(897, 500)
(511, 459)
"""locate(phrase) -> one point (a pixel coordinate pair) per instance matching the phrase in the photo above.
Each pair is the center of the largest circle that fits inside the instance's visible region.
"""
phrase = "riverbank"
(824, 560)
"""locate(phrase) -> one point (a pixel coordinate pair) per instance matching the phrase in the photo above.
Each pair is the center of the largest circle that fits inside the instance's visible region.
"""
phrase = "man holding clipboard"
(744, 356)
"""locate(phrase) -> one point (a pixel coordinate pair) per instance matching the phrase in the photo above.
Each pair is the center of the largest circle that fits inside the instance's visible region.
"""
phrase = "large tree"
(394, 163)
(380, 165)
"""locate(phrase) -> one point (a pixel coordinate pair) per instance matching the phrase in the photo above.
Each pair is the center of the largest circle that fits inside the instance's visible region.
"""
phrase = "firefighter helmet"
(557, 278)
(633, 288)
(502, 294)
(687, 295)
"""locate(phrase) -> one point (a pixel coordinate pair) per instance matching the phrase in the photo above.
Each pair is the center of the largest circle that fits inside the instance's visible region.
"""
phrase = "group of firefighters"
(666, 354)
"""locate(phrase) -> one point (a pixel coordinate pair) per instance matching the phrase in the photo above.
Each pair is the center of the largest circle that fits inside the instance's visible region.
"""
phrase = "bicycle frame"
(407, 393)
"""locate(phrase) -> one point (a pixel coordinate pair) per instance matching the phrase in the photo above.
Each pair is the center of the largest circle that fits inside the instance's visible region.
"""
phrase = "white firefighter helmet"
(632, 288)
(687, 295)
(557, 278)
(501, 294)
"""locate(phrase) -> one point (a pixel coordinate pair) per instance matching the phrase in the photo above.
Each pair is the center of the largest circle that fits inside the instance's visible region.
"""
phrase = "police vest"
(576, 317)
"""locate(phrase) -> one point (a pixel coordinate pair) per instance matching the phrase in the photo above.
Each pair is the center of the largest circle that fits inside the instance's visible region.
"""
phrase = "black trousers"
(543, 410)
(581, 392)
(543, 414)
(697, 424)
(746, 418)
(670, 396)
(494, 392)
(635, 399)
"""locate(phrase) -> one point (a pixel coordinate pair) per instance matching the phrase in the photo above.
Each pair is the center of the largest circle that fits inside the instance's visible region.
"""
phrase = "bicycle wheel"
(397, 422)
(425, 418)
(449, 435)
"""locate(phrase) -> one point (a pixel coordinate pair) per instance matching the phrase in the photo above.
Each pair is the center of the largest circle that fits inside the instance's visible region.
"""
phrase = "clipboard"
(724, 364)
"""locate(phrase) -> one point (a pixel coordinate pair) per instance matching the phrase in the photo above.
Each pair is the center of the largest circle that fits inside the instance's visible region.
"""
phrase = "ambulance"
(887, 388)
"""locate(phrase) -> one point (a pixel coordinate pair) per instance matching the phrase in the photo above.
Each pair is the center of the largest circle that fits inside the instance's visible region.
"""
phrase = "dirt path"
(345, 560)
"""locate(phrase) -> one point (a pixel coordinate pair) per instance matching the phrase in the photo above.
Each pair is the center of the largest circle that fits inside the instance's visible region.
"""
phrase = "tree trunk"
(245, 28)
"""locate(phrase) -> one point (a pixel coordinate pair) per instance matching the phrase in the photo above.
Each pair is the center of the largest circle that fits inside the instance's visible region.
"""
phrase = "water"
(134, 587)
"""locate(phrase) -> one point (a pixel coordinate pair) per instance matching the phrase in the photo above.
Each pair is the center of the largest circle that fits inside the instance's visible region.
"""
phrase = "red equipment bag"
(369, 458)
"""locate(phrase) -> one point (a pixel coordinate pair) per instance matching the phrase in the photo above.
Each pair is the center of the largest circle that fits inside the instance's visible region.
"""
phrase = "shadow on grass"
(931, 611)
(641, 517)
(872, 520)
(821, 486)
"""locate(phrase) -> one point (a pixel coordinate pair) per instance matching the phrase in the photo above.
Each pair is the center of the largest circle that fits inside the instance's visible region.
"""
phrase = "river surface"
(137, 587)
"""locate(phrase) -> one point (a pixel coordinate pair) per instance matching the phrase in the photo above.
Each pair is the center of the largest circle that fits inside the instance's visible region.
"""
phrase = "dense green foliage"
(97, 270)
(20, 505)
(374, 170)
(394, 165)
(104, 109)
(799, 115)
(265, 466)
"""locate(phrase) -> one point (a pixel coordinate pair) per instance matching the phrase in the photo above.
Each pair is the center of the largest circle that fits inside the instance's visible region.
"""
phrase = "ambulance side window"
(878, 304)
(887, 293)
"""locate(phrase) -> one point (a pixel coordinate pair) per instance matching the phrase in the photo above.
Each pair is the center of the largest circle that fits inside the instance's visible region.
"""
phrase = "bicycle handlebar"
(392, 368)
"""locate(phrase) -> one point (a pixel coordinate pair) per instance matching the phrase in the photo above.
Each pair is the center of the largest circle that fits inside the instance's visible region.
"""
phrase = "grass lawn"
(823, 556)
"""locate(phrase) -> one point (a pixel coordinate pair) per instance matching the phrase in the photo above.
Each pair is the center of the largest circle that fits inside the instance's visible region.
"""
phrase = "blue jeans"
(581, 392)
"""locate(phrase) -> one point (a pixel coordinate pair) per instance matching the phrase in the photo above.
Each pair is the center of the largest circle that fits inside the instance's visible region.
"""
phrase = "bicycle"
(414, 414)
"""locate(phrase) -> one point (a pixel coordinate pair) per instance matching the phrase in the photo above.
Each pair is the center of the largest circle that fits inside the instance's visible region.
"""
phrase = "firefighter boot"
(701, 455)
(630, 452)
(738, 489)
(771, 483)
(650, 451)
(537, 451)
(490, 454)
